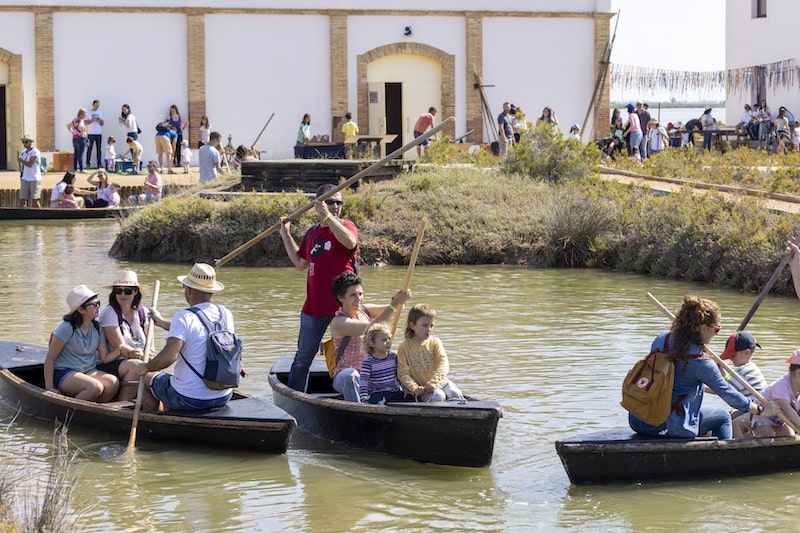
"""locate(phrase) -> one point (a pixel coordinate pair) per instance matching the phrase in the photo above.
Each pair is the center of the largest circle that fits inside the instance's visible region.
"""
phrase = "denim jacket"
(687, 391)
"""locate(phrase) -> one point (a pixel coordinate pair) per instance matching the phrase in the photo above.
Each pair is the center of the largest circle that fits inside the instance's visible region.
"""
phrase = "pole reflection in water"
(552, 346)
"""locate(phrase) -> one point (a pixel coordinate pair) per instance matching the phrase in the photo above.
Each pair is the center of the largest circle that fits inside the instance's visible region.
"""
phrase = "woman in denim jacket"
(696, 323)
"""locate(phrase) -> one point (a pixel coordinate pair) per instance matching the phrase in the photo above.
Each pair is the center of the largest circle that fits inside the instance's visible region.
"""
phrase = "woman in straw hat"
(70, 364)
(123, 321)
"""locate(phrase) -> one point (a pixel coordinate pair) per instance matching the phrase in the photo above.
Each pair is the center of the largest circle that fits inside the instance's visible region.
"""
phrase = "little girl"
(378, 378)
(786, 394)
(186, 155)
(68, 202)
(796, 136)
(421, 359)
(111, 154)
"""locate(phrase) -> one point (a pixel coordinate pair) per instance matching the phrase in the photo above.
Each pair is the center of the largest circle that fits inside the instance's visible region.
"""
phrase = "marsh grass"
(37, 507)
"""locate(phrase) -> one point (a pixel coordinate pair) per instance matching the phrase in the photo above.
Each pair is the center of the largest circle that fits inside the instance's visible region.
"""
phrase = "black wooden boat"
(246, 422)
(55, 213)
(618, 456)
(448, 433)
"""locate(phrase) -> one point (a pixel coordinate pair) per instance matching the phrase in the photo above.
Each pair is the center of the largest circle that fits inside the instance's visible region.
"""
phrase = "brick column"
(45, 86)
(602, 104)
(339, 76)
(196, 72)
(474, 61)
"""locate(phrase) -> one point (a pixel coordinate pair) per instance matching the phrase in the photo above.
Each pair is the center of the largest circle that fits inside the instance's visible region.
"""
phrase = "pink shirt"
(424, 122)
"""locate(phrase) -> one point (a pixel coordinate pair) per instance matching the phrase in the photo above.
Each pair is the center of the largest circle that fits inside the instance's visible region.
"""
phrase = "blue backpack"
(223, 353)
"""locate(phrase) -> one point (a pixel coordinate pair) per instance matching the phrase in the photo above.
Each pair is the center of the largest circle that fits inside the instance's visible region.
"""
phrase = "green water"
(550, 346)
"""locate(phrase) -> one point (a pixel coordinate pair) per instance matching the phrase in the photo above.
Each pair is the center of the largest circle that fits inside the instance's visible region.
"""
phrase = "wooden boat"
(448, 433)
(246, 422)
(55, 213)
(617, 456)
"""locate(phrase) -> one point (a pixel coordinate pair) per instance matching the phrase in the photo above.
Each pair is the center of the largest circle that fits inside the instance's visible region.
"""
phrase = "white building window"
(759, 9)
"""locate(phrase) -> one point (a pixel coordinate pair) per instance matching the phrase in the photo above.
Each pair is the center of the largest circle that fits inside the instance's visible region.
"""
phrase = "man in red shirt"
(424, 122)
(328, 249)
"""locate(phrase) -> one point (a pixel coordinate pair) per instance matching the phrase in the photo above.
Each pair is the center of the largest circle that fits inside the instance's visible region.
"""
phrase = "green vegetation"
(544, 207)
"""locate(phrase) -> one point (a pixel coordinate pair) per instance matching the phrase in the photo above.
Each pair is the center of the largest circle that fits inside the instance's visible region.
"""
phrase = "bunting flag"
(778, 75)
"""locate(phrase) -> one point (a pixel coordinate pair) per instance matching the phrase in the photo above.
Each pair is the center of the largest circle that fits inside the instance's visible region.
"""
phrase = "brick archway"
(14, 106)
(447, 62)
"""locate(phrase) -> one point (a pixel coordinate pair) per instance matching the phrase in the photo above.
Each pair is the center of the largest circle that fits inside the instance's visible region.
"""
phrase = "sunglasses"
(95, 303)
(129, 291)
(334, 202)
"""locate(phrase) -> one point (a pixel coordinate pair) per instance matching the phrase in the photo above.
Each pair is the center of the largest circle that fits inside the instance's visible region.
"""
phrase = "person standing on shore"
(424, 123)
(328, 249)
(77, 127)
(505, 130)
(209, 159)
(30, 186)
(94, 131)
(644, 123)
(634, 130)
(349, 130)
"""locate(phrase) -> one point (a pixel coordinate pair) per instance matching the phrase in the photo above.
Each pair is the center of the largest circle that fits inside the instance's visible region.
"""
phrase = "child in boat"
(378, 378)
(739, 350)
(68, 201)
(786, 394)
(421, 360)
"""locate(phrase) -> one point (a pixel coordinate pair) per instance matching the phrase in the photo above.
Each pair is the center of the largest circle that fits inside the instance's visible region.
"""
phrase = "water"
(681, 114)
(550, 345)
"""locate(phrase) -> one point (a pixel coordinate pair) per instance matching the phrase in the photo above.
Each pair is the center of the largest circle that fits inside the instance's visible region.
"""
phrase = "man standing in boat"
(187, 344)
(328, 249)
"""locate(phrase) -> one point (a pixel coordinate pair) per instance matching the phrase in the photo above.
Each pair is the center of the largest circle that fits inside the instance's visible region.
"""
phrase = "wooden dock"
(309, 174)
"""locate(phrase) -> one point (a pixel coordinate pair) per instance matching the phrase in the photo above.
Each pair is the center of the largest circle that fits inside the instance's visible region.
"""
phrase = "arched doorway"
(397, 83)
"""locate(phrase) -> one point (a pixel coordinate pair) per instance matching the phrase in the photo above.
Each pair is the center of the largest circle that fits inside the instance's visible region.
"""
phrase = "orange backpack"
(647, 389)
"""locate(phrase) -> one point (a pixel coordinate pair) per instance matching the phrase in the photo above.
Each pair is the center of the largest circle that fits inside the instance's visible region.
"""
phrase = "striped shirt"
(378, 375)
(752, 374)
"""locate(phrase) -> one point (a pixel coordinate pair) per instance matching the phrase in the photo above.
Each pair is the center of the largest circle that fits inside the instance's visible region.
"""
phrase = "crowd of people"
(696, 323)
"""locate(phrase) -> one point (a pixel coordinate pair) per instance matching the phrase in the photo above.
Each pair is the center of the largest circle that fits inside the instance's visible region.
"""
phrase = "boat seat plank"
(284, 364)
(455, 404)
(19, 355)
(252, 408)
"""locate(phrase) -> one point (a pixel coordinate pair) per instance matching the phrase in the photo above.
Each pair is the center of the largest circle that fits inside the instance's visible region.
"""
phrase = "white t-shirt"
(58, 189)
(205, 133)
(94, 128)
(133, 334)
(188, 328)
(32, 173)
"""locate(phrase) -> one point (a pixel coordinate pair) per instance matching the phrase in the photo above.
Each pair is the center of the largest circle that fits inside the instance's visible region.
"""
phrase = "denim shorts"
(419, 134)
(161, 387)
(59, 374)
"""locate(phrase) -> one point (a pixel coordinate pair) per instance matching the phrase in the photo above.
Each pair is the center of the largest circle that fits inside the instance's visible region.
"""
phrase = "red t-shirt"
(327, 258)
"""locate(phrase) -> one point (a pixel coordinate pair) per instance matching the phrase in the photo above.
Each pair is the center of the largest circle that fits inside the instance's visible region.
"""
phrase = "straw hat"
(79, 296)
(202, 278)
(27, 138)
(126, 278)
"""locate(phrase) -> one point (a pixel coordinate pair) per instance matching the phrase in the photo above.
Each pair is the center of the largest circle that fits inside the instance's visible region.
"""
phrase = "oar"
(764, 292)
(253, 146)
(410, 271)
(727, 368)
(366, 172)
(149, 339)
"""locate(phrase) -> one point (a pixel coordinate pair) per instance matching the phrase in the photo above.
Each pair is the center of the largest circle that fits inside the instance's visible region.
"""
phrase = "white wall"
(551, 64)
(16, 36)
(272, 64)
(137, 60)
(756, 41)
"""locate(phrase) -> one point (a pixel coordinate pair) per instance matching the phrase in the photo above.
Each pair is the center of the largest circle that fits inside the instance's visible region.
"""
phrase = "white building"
(761, 44)
(238, 61)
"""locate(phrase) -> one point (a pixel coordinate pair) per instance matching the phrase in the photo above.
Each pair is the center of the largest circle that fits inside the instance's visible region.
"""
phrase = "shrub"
(544, 154)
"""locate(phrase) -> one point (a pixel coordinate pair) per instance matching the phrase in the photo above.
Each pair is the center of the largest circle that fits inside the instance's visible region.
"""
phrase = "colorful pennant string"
(778, 75)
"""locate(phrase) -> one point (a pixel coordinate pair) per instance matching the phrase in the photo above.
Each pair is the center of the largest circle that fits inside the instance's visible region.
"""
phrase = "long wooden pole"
(149, 339)
(764, 292)
(411, 263)
(252, 146)
(366, 172)
(601, 75)
(727, 368)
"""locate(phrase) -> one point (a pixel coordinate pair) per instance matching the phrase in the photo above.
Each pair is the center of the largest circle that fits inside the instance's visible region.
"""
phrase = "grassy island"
(543, 207)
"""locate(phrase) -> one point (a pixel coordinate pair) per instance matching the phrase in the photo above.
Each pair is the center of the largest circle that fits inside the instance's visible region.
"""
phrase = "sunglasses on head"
(128, 291)
(334, 202)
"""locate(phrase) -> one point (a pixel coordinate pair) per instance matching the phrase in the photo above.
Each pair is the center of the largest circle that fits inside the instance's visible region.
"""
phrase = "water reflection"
(550, 346)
